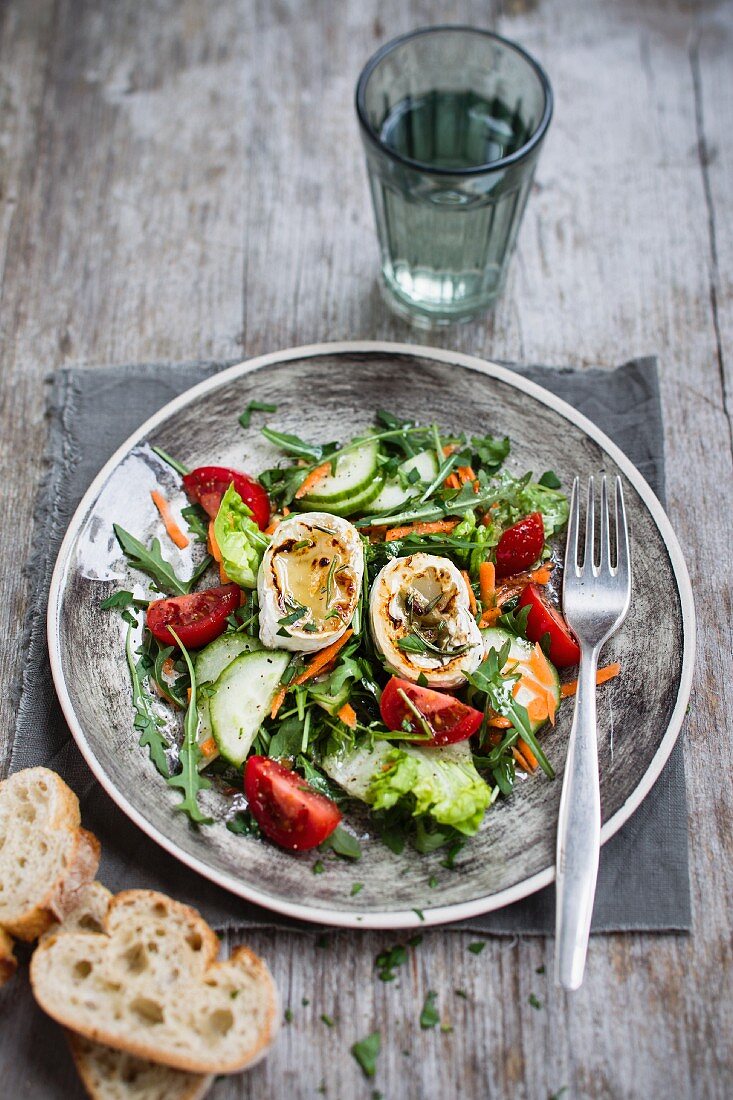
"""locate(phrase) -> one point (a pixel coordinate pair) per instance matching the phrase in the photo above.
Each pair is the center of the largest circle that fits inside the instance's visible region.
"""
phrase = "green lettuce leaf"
(553, 505)
(438, 783)
(240, 540)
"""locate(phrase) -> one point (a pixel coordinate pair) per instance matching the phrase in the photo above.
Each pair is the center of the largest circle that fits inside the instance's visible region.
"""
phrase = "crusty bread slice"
(149, 985)
(109, 1074)
(8, 961)
(44, 853)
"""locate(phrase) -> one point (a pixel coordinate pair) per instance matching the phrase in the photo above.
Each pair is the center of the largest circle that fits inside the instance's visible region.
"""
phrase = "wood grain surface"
(183, 180)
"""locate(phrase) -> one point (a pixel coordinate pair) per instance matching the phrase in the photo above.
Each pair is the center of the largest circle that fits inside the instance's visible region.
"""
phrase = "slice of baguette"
(109, 1074)
(8, 961)
(149, 985)
(45, 855)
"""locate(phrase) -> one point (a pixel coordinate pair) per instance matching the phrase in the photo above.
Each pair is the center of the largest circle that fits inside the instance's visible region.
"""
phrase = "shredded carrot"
(541, 575)
(608, 672)
(452, 482)
(286, 511)
(439, 527)
(527, 753)
(465, 473)
(213, 544)
(347, 714)
(270, 529)
(277, 701)
(188, 695)
(449, 449)
(323, 658)
(487, 584)
(223, 576)
(490, 617)
(471, 598)
(168, 666)
(499, 722)
(314, 477)
(175, 533)
(208, 747)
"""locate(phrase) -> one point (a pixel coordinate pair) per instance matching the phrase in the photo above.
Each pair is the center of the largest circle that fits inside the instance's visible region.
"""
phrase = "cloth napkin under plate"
(643, 881)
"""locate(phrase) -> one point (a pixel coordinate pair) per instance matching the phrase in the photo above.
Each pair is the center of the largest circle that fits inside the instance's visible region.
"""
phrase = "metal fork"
(596, 596)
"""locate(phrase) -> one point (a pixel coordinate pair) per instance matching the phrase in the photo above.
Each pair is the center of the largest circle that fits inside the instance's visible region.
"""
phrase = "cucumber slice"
(394, 494)
(520, 651)
(349, 506)
(209, 664)
(241, 699)
(355, 472)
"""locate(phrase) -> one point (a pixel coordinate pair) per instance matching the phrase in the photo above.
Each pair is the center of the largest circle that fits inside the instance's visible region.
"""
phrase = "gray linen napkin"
(643, 881)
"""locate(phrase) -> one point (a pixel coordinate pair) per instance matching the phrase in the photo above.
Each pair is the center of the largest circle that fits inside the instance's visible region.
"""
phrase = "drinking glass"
(452, 120)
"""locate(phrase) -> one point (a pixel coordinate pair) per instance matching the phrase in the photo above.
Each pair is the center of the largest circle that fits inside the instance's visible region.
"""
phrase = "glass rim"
(433, 170)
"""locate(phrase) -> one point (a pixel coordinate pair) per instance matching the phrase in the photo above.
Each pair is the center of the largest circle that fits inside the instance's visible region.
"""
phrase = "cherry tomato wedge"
(448, 719)
(286, 807)
(520, 545)
(544, 619)
(206, 486)
(197, 619)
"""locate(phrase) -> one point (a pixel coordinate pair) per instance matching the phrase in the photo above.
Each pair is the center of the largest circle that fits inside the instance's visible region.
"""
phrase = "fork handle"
(578, 832)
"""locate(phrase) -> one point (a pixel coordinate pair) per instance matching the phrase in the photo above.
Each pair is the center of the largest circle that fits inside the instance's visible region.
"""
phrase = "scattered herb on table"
(366, 1051)
(429, 1016)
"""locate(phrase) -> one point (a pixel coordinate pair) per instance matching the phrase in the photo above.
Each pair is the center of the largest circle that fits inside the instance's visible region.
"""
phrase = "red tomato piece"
(197, 619)
(206, 486)
(544, 619)
(448, 718)
(520, 545)
(286, 808)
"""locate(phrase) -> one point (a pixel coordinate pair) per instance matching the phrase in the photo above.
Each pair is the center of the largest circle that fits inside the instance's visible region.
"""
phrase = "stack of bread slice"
(150, 1013)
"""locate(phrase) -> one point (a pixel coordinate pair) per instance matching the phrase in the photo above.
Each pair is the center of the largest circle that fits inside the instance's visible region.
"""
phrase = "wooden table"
(185, 180)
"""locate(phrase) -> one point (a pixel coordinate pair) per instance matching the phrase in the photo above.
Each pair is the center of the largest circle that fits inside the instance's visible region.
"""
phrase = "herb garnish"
(255, 406)
(122, 599)
(477, 947)
(366, 1051)
(387, 960)
(429, 1016)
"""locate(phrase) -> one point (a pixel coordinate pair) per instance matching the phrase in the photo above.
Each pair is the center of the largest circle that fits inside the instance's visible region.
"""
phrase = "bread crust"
(8, 961)
(79, 862)
(192, 1087)
(242, 958)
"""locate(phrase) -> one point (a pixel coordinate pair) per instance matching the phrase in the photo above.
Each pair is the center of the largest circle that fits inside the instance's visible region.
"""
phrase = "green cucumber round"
(394, 494)
(349, 506)
(354, 473)
(209, 663)
(496, 638)
(241, 699)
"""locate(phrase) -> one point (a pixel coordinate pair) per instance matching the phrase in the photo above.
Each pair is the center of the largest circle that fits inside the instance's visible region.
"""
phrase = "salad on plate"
(384, 629)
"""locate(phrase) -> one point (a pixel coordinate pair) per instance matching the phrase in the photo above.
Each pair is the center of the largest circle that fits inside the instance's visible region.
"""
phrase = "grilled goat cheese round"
(422, 623)
(309, 582)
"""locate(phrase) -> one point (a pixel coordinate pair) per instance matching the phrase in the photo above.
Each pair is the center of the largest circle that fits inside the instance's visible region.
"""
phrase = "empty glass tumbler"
(452, 120)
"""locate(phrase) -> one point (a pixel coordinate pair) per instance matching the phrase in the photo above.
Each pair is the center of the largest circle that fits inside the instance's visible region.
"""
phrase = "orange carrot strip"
(277, 701)
(465, 473)
(471, 598)
(213, 544)
(527, 753)
(286, 510)
(223, 577)
(208, 747)
(452, 482)
(168, 666)
(323, 658)
(487, 584)
(175, 533)
(313, 479)
(608, 672)
(347, 714)
(499, 722)
(438, 527)
(188, 694)
(541, 575)
(270, 529)
(490, 617)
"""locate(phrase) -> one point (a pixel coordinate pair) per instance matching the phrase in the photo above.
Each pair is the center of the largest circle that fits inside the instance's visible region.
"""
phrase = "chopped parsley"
(429, 1016)
(366, 1051)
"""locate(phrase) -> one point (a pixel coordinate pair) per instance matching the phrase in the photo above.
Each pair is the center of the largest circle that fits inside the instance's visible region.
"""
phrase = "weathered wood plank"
(188, 182)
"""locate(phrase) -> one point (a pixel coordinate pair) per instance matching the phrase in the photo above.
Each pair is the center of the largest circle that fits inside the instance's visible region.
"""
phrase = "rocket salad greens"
(382, 631)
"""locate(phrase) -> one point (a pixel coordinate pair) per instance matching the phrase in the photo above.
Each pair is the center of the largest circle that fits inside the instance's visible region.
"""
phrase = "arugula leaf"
(489, 452)
(243, 824)
(429, 1016)
(343, 843)
(189, 779)
(452, 503)
(146, 720)
(294, 445)
(366, 1051)
(172, 462)
(550, 480)
(151, 561)
(388, 960)
(516, 621)
(255, 406)
(122, 599)
(488, 679)
(197, 522)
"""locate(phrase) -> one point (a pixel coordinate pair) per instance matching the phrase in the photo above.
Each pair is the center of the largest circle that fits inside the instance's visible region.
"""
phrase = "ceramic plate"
(326, 392)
